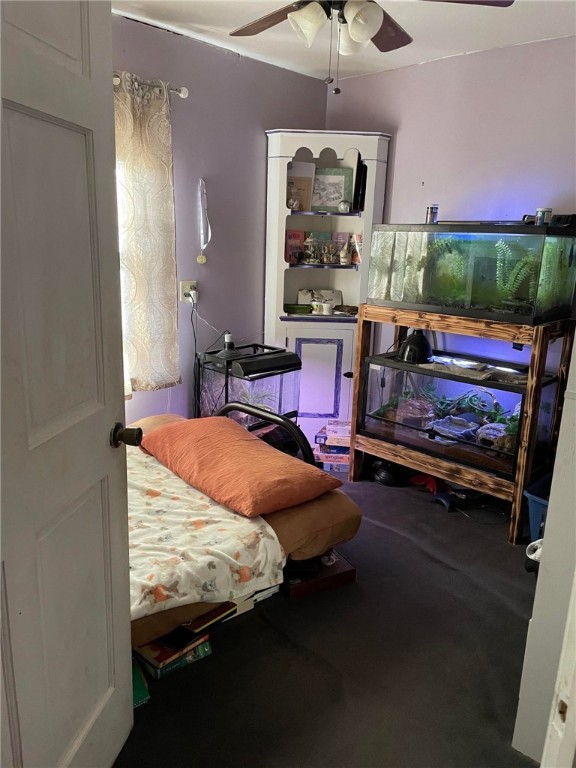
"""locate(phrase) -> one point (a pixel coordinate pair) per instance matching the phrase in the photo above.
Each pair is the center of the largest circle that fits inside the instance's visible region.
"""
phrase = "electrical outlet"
(187, 286)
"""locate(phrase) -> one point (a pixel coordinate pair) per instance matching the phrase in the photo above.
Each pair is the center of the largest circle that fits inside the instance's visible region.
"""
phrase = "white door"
(65, 629)
(560, 745)
(551, 612)
(326, 355)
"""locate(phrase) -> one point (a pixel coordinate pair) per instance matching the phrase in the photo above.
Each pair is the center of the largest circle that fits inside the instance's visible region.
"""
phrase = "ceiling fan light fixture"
(307, 22)
(346, 45)
(364, 19)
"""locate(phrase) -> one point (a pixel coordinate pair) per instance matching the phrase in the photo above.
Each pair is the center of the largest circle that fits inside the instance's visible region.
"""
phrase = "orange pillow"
(234, 467)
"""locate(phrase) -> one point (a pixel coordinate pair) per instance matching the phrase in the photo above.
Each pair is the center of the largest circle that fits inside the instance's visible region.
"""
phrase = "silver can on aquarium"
(543, 216)
(432, 214)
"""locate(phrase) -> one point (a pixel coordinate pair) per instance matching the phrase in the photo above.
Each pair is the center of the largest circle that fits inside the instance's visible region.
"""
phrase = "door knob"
(127, 435)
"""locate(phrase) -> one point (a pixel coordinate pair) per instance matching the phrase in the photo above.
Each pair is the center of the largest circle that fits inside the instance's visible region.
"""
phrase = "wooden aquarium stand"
(538, 337)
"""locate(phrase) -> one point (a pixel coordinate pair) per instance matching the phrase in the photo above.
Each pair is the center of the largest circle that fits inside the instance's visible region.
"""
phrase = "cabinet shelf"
(390, 361)
(323, 266)
(318, 318)
(325, 213)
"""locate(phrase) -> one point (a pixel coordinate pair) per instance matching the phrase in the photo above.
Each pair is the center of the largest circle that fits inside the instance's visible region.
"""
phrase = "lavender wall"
(489, 135)
(218, 135)
(486, 136)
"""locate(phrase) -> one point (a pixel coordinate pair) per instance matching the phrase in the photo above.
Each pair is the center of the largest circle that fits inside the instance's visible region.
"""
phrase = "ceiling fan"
(365, 22)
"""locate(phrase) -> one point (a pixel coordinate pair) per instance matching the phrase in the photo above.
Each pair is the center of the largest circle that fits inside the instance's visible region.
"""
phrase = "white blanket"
(186, 548)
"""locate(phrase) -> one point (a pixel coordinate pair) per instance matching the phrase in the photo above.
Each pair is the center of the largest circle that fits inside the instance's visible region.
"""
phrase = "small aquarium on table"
(512, 273)
(459, 408)
(268, 377)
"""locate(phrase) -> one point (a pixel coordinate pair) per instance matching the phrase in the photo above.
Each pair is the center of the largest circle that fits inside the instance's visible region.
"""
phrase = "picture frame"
(299, 193)
(332, 185)
(299, 183)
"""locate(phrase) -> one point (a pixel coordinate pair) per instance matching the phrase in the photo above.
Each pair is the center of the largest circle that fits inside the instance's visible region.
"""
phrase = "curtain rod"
(182, 91)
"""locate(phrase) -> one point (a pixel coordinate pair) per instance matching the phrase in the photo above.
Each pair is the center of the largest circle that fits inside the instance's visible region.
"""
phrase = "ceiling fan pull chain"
(337, 89)
(330, 79)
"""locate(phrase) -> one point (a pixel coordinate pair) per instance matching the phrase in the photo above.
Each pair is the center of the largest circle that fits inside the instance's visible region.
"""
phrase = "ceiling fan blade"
(270, 20)
(495, 3)
(390, 36)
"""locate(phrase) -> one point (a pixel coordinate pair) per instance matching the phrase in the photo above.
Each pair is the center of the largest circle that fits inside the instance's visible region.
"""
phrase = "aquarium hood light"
(415, 348)
(252, 361)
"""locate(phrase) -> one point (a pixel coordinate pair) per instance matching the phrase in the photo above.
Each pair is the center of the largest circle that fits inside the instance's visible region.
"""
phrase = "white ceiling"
(439, 30)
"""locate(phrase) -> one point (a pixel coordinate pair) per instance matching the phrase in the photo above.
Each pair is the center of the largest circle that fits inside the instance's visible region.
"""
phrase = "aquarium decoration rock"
(455, 427)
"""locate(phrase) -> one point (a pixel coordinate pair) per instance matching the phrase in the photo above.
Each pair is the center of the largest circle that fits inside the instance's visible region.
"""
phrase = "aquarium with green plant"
(514, 273)
(457, 407)
(278, 393)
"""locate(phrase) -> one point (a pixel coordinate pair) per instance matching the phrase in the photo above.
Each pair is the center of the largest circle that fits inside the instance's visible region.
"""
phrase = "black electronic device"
(563, 220)
(557, 220)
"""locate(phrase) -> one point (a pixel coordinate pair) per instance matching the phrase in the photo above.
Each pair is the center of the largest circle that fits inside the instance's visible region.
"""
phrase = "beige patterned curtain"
(146, 231)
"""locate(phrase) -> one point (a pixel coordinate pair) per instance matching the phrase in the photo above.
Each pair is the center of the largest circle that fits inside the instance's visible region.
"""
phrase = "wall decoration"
(331, 186)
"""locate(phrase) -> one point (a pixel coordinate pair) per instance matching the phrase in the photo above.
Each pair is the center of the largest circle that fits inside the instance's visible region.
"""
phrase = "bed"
(188, 551)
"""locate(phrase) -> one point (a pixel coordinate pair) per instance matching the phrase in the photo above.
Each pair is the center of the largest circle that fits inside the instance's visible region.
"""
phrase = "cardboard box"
(338, 427)
(323, 438)
(332, 458)
(343, 468)
(330, 450)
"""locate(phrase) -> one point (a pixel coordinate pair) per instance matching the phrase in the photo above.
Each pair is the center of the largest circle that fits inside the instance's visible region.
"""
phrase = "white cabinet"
(357, 162)
(327, 354)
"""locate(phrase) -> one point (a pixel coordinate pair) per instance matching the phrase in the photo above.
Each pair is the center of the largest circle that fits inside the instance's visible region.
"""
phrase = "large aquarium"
(459, 408)
(514, 273)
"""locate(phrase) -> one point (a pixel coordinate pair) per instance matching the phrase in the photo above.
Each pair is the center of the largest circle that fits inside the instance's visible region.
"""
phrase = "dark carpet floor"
(416, 665)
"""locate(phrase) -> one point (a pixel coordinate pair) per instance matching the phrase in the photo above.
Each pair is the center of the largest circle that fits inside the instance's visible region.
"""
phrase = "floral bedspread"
(186, 548)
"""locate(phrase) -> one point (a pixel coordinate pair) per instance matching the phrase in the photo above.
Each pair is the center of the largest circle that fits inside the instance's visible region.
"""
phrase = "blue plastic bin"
(538, 494)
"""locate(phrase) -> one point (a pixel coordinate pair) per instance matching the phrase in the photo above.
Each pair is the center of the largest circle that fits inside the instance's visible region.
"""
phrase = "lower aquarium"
(458, 408)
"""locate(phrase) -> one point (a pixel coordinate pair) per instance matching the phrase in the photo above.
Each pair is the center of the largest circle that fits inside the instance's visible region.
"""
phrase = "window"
(146, 230)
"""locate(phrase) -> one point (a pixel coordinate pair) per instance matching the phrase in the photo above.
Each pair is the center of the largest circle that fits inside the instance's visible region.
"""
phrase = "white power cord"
(192, 297)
